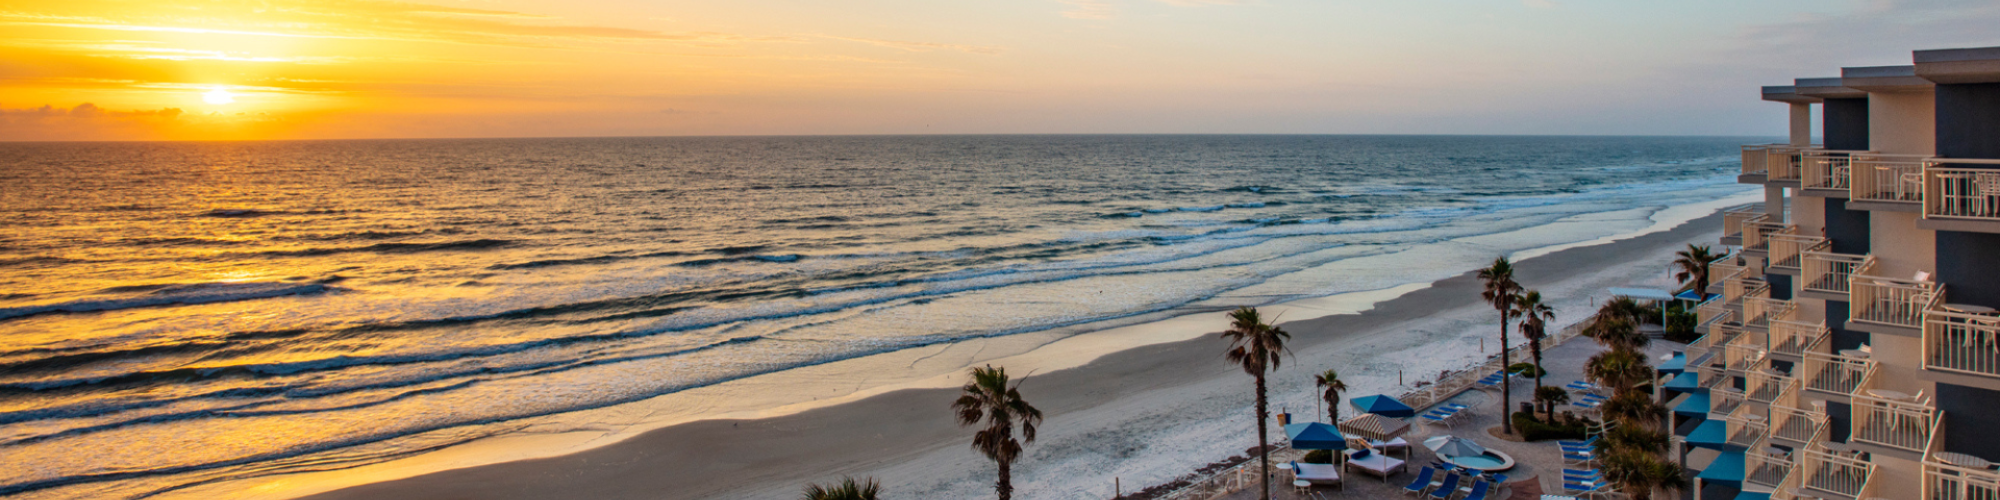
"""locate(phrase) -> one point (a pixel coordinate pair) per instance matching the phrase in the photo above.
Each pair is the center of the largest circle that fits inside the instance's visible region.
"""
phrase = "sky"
(319, 69)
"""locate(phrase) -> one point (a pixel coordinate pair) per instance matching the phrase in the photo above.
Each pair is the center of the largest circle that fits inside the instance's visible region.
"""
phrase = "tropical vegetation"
(1256, 346)
(988, 397)
(1535, 318)
(1632, 454)
(847, 489)
(1504, 294)
(1330, 386)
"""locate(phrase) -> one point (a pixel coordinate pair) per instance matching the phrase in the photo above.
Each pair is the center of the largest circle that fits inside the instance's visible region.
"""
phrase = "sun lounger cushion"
(1318, 473)
(1375, 463)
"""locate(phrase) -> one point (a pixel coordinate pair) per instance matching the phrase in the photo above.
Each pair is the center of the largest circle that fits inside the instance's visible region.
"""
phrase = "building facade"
(1853, 349)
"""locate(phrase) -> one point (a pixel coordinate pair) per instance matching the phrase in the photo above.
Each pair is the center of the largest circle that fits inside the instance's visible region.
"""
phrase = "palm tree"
(848, 489)
(1619, 368)
(1535, 318)
(1549, 397)
(1503, 293)
(1639, 473)
(1256, 347)
(1616, 331)
(1693, 264)
(989, 397)
(1636, 409)
(1331, 383)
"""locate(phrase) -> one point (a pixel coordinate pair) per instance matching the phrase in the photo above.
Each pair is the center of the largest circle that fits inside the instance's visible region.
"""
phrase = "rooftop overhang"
(1885, 79)
(1787, 93)
(1953, 66)
(1825, 88)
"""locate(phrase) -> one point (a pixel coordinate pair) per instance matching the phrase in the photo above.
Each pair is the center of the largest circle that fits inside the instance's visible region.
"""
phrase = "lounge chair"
(1576, 457)
(1479, 490)
(1580, 444)
(1585, 489)
(1423, 482)
(1390, 445)
(1317, 473)
(1375, 463)
(1446, 489)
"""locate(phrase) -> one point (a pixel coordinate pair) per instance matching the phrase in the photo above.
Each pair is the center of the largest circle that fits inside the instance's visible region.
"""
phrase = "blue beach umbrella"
(1315, 436)
(1383, 405)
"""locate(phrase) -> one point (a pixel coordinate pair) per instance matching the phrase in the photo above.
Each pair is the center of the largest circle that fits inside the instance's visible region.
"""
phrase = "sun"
(218, 96)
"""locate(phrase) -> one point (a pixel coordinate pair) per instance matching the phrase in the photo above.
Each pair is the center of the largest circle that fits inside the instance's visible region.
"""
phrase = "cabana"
(1381, 432)
(1383, 405)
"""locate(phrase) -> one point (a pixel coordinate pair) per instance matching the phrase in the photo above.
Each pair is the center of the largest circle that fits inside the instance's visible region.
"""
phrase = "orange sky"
(129, 69)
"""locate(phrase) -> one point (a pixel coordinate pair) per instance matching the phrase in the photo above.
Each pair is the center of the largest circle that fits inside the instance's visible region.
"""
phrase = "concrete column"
(1801, 124)
(1774, 202)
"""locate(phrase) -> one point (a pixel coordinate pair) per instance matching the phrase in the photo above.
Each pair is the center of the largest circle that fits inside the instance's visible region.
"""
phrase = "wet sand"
(1101, 414)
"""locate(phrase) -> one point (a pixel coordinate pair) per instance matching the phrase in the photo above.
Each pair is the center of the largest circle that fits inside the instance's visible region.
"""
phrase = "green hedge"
(1318, 457)
(1532, 429)
(1526, 369)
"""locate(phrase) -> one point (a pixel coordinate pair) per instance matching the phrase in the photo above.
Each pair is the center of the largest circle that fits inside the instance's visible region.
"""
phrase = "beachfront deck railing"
(1963, 343)
(1792, 336)
(1962, 193)
(1904, 425)
(1833, 472)
(1767, 384)
(1826, 169)
(1733, 222)
(1887, 178)
(1890, 301)
(1829, 272)
(1781, 163)
(1788, 250)
(1757, 235)
(1759, 312)
(1753, 157)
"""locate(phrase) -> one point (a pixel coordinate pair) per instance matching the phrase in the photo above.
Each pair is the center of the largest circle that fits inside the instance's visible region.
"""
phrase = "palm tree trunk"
(1263, 449)
(1506, 382)
(1006, 485)
(1535, 346)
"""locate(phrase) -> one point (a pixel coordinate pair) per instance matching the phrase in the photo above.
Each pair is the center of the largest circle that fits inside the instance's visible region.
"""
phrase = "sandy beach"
(1124, 408)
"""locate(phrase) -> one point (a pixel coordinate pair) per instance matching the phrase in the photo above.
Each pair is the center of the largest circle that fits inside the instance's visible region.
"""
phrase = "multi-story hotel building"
(1853, 351)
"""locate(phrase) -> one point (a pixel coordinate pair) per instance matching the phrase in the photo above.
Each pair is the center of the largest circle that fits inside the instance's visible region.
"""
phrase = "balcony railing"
(1792, 337)
(1823, 169)
(1708, 314)
(1888, 178)
(1829, 272)
(1795, 424)
(1744, 426)
(1725, 399)
(1787, 250)
(1781, 163)
(1753, 157)
(1944, 481)
(1741, 356)
(1960, 342)
(1889, 301)
(1834, 373)
(1766, 384)
(1833, 472)
(1758, 312)
(1962, 193)
(1904, 425)
(1736, 290)
(1766, 466)
(1757, 235)
(1733, 221)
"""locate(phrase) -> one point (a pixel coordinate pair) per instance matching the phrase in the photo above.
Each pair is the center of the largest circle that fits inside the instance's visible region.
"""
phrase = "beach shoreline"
(1061, 363)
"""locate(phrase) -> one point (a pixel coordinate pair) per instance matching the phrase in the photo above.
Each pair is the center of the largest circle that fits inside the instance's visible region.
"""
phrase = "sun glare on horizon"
(218, 96)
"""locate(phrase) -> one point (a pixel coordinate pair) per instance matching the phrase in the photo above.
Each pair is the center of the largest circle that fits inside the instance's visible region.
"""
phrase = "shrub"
(1526, 369)
(1533, 429)
(1318, 457)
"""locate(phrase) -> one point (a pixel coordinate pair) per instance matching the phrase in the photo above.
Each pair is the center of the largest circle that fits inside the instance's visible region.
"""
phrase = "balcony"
(1759, 312)
(1757, 235)
(1733, 220)
(1888, 305)
(1707, 315)
(1901, 424)
(1962, 343)
(1744, 352)
(1962, 199)
(1744, 427)
(1828, 276)
(1841, 374)
(1753, 163)
(1736, 290)
(1767, 384)
(1944, 481)
(1833, 472)
(1893, 183)
(1782, 163)
(1725, 399)
(1790, 338)
(1825, 173)
(1794, 424)
(1766, 466)
(1788, 251)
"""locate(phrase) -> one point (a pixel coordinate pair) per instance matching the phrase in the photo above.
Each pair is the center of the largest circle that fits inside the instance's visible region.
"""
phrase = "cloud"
(1540, 4)
(922, 46)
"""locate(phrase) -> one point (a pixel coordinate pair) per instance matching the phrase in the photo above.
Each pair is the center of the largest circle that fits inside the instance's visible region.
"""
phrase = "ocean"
(177, 314)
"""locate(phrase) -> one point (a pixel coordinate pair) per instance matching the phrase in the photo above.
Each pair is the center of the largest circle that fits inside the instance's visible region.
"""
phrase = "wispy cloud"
(922, 46)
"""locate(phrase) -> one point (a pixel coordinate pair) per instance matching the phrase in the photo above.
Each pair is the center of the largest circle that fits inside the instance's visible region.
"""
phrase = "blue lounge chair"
(1583, 488)
(1580, 444)
(1445, 490)
(1593, 397)
(1585, 403)
(1578, 457)
(1422, 483)
(1499, 479)
(1479, 489)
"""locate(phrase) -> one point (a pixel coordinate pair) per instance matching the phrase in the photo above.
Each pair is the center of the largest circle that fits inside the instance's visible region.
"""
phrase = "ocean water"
(175, 314)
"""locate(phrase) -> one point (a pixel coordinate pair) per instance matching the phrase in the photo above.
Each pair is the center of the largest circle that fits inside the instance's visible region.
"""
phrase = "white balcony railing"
(1787, 250)
(1896, 424)
(1823, 169)
(1829, 272)
(1890, 301)
(1725, 399)
(1766, 466)
(1753, 158)
(1758, 312)
(1744, 426)
(1757, 235)
(1945, 481)
(1888, 178)
(1781, 163)
(1833, 373)
(1960, 342)
(1733, 221)
(1736, 290)
(1834, 472)
(1962, 193)
(1792, 337)
(1766, 384)
(1707, 315)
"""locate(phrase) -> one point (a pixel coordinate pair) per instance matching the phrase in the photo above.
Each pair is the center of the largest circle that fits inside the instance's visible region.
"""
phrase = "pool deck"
(1538, 465)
